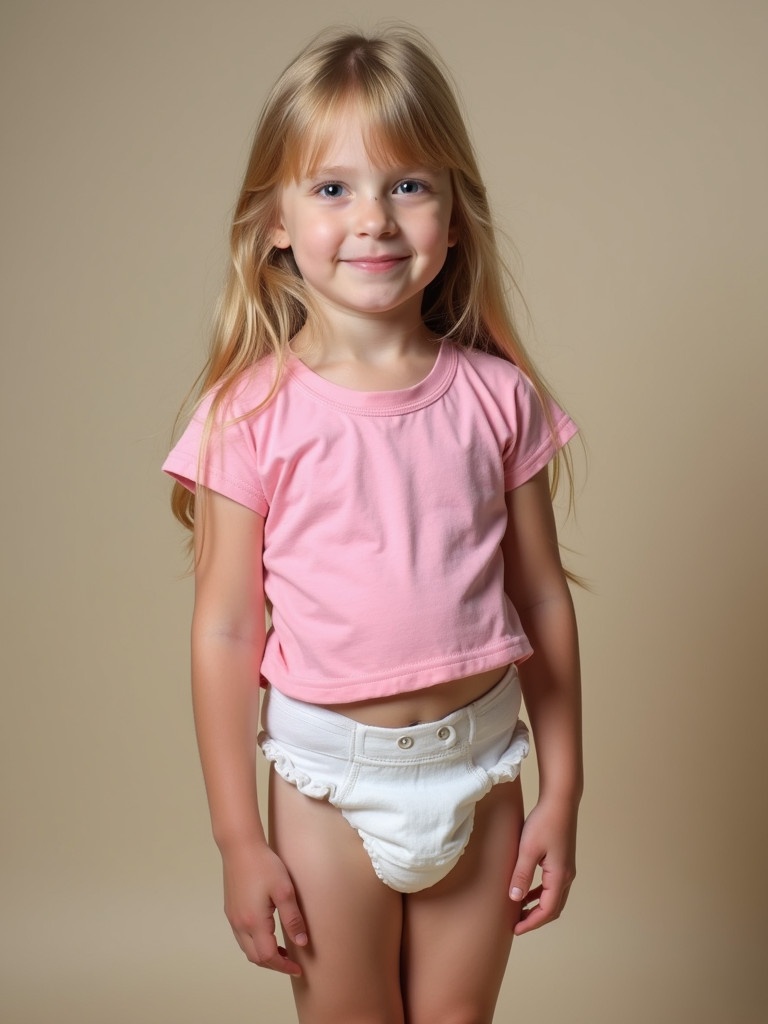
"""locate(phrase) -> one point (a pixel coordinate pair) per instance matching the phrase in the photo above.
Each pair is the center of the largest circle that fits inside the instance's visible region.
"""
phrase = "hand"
(256, 884)
(548, 840)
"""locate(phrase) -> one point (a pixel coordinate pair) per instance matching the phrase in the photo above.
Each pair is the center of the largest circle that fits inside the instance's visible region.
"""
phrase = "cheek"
(436, 236)
(318, 237)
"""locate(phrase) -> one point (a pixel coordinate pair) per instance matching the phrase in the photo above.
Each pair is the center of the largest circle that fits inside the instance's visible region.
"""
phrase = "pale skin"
(355, 949)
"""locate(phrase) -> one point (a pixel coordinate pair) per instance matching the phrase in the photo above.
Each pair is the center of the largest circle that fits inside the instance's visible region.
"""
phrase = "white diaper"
(411, 792)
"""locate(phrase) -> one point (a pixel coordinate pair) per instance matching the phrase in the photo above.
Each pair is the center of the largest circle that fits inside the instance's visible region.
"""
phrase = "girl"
(369, 463)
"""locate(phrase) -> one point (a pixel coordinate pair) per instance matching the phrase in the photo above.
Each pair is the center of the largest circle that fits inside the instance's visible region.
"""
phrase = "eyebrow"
(343, 172)
(328, 172)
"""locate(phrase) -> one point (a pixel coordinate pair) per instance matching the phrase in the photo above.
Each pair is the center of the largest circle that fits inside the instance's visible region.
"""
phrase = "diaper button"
(443, 733)
(405, 742)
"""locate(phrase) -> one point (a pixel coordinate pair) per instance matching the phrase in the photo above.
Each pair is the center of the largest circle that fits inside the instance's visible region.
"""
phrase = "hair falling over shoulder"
(404, 92)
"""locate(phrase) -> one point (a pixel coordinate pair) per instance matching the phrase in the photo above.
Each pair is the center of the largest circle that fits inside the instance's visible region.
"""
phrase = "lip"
(375, 264)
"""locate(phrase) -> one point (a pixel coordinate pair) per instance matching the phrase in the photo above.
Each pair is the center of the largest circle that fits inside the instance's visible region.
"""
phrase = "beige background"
(625, 146)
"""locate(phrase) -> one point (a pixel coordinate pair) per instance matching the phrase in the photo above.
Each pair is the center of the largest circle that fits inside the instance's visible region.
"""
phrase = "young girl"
(369, 463)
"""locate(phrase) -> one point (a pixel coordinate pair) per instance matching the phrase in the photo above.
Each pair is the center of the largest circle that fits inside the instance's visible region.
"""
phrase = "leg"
(351, 967)
(457, 934)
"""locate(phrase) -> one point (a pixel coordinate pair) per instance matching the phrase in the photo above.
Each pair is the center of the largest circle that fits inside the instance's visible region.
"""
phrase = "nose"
(374, 216)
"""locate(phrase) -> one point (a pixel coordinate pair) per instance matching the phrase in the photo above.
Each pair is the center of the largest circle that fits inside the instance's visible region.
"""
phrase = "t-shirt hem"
(405, 680)
(184, 471)
(565, 431)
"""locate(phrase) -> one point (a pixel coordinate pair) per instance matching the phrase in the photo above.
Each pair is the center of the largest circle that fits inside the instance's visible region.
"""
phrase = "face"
(367, 239)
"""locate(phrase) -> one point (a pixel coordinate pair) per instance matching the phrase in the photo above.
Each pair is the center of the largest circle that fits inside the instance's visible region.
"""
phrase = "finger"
(542, 906)
(291, 919)
(522, 876)
(267, 954)
(534, 918)
(533, 897)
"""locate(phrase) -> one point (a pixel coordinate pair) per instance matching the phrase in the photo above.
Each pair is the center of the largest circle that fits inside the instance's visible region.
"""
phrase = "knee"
(463, 1013)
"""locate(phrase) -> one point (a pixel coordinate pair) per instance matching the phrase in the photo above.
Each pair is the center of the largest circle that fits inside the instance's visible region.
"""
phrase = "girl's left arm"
(537, 586)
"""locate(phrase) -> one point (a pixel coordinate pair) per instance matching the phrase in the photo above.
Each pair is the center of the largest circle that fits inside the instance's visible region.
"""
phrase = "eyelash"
(320, 190)
(422, 187)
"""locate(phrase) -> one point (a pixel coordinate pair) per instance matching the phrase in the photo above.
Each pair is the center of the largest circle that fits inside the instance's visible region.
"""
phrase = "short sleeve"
(229, 464)
(534, 441)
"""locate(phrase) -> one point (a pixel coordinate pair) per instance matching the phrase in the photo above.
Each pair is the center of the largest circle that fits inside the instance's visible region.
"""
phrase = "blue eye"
(409, 187)
(331, 190)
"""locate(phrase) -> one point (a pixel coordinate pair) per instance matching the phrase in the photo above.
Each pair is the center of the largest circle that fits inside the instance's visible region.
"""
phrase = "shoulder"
(499, 376)
(535, 421)
(490, 365)
(244, 394)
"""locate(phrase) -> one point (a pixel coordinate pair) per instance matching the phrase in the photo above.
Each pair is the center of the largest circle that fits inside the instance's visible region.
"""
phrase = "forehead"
(346, 134)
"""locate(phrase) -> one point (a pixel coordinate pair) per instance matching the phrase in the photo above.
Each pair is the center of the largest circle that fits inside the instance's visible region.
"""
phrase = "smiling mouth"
(375, 264)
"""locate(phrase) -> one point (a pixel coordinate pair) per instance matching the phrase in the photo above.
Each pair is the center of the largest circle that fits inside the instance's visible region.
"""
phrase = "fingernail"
(301, 939)
(516, 894)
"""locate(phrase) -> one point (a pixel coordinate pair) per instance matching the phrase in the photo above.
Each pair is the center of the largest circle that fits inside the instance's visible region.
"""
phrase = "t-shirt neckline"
(381, 403)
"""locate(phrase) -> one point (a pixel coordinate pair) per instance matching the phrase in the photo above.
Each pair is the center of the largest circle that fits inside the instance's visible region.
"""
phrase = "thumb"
(292, 921)
(522, 876)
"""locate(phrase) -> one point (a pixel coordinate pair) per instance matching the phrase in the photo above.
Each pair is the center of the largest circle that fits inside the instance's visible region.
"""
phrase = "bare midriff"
(427, 705)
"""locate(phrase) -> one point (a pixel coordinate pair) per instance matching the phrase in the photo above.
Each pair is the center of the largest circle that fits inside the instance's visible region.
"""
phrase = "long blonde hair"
(402, 89)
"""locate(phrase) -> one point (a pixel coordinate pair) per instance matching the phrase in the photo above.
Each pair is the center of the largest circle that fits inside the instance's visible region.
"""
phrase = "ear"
(453, 233)
(280, 238)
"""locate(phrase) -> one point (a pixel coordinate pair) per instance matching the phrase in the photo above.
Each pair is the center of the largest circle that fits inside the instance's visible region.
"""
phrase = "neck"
(358, 339)
(373, 358)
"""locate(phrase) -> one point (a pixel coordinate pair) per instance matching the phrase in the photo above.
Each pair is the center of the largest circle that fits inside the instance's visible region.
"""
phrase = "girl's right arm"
(228, 635)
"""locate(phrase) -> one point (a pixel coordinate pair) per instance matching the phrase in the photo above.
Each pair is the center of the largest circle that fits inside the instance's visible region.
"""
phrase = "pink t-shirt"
(384, 515)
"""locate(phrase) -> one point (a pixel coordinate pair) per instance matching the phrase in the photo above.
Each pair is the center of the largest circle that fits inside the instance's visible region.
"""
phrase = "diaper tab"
(413, 744)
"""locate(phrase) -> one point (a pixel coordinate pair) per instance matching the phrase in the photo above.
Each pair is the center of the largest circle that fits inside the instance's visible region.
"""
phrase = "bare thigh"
(457, 934)
(351, 966)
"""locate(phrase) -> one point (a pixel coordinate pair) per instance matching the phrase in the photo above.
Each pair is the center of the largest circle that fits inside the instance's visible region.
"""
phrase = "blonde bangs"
(396, 126)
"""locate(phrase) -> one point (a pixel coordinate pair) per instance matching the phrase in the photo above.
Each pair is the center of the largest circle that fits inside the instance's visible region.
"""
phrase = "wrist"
(233, 843)
(564, 794)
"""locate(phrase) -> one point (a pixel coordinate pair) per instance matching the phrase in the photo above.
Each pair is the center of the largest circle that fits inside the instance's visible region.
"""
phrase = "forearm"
(225, 691)
(551, 685)
(550, 680)
(225, 686)
(228, 638)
